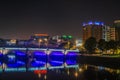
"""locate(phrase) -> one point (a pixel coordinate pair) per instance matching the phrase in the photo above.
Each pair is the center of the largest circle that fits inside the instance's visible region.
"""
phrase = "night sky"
(20, 19)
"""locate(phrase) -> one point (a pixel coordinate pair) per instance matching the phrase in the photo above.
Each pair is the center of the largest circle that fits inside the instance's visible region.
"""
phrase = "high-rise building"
(99, 31)
(108, 33)
(92, 29)
(117, 29)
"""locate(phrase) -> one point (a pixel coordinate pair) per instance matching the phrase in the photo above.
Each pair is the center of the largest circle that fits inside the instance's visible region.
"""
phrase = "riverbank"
(107, 61)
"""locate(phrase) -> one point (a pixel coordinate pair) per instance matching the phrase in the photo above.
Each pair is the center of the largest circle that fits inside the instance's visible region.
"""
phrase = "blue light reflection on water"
(16, 64)
(71, 58)
(1, 59)
(15, 59)
(39, 59)
(56, 58)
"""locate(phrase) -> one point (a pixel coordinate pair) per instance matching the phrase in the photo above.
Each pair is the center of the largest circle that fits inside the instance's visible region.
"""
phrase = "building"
(108, 33)
(92, 29)
(117, 29)
(99, 31)
(40, 40)
(39, 36)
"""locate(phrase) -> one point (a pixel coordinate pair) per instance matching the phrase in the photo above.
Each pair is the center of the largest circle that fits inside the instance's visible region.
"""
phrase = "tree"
(2, 42)
(118, 44)
(111, 45)
(101, 44)
(90, 44)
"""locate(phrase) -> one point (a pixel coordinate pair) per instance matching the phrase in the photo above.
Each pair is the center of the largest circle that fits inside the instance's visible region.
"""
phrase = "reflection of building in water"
(99, 68)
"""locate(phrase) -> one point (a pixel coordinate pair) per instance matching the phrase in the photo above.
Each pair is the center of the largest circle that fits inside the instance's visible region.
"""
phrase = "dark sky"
(20, 19)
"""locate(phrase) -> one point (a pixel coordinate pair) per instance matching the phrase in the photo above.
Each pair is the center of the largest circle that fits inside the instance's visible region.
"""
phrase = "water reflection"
(83, 72)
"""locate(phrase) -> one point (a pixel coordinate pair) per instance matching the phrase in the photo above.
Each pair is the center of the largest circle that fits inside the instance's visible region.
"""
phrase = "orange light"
(41, 34)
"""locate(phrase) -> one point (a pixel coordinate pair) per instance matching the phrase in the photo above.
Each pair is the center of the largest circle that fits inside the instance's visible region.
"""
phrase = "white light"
(39, 75)
(80, 69)
(46, 39)
(45, 77)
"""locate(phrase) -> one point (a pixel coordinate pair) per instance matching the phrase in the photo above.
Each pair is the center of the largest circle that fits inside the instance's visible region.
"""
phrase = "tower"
(92, 29)
(117, 29)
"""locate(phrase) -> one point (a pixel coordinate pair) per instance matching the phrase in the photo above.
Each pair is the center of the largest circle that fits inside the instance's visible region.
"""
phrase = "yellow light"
(68, 72)
(13, 41)
(76, 74)
(40, 40)
(80, 70)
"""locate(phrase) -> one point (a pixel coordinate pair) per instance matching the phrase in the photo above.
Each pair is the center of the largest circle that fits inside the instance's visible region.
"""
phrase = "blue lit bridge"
(30, 59)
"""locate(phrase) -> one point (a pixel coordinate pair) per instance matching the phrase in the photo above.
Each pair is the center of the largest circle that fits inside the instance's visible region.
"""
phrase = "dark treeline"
(91, 46)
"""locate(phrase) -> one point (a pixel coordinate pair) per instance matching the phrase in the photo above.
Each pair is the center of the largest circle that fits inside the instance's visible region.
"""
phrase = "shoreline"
(112, 62)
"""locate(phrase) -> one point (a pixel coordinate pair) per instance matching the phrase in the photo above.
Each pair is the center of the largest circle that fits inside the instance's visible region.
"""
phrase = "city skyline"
(21, 19)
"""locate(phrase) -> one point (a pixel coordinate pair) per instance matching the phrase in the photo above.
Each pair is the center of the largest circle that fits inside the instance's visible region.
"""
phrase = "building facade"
(99, 31)
(117, 29)
(92, 29)
(40, 39)
(108, 33)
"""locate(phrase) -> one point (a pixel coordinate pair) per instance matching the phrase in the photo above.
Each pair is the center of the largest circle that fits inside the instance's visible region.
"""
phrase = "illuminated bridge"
(31, 59)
